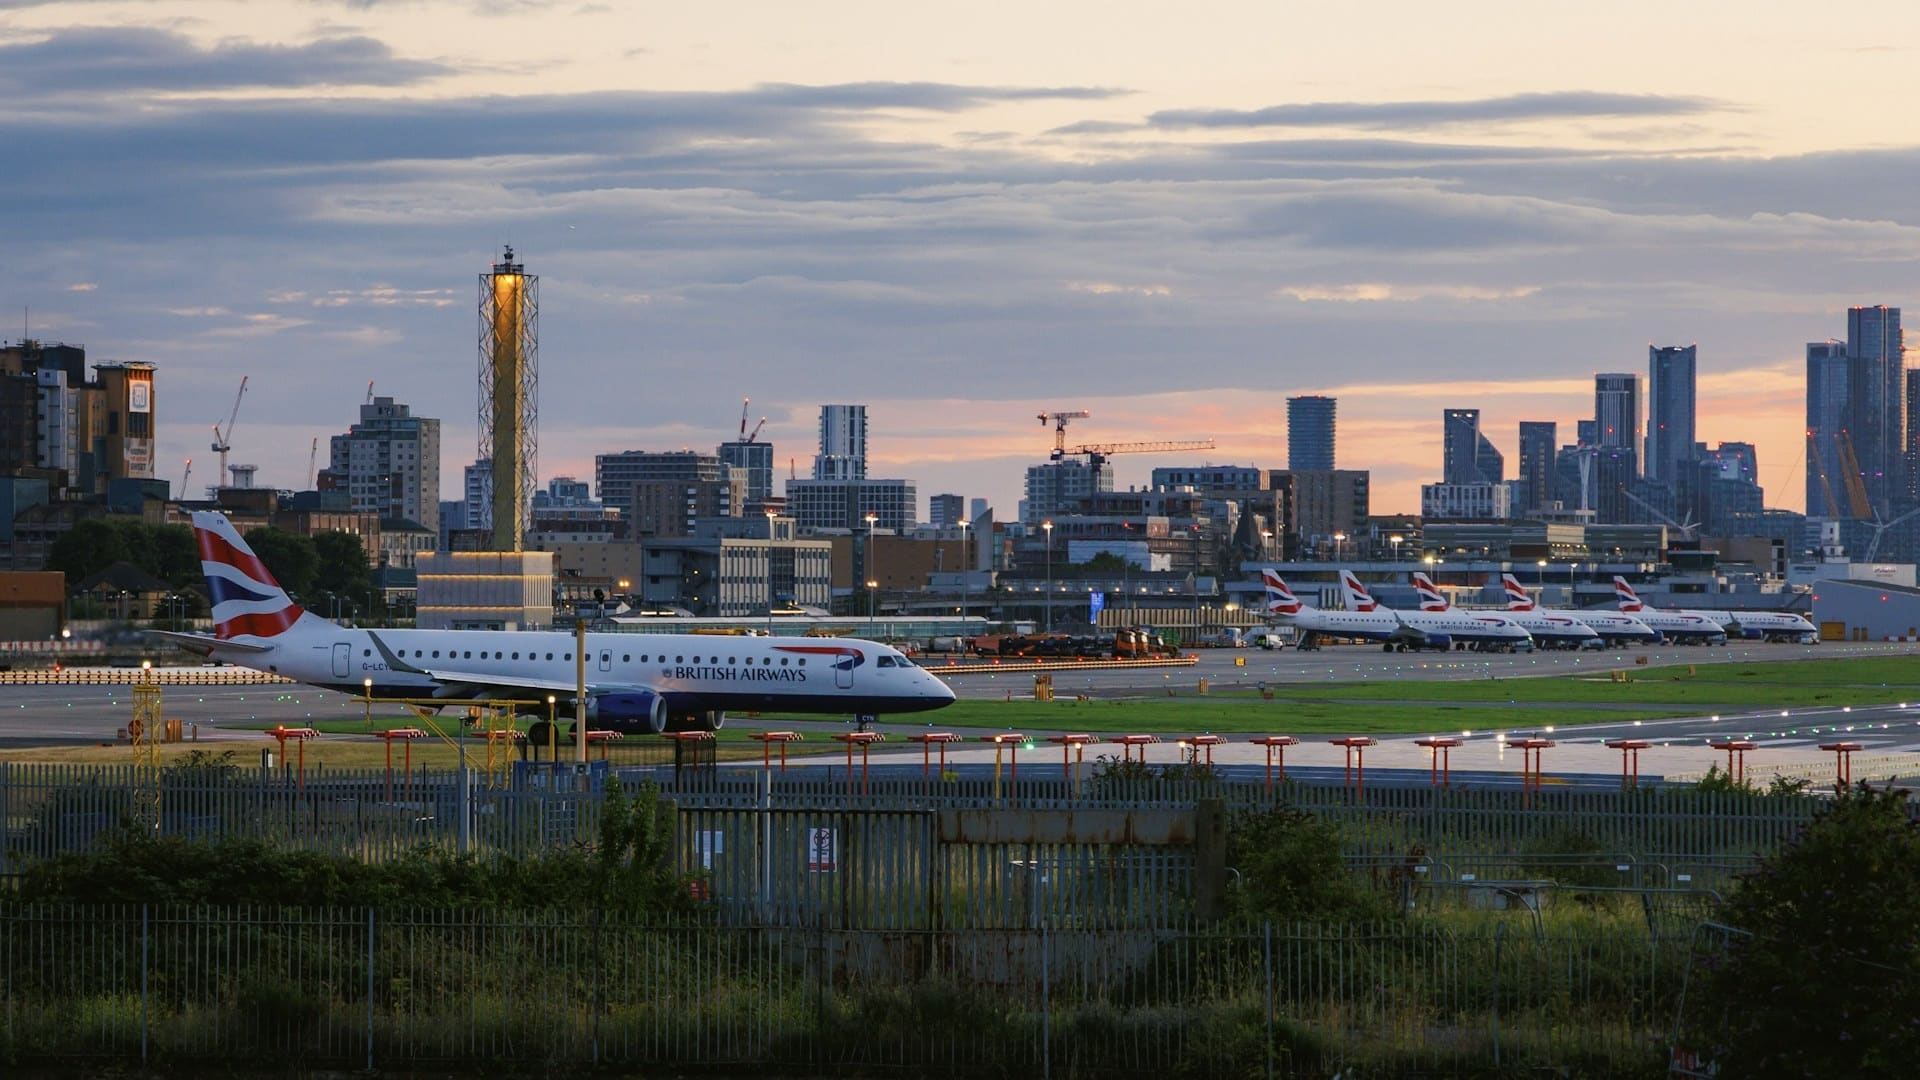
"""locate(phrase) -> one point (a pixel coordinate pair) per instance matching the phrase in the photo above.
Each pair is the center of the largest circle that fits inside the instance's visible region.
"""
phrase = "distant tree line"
(314, 570)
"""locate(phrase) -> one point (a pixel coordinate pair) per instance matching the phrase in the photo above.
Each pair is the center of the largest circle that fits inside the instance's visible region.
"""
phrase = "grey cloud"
(107, 60)
(1421, 114)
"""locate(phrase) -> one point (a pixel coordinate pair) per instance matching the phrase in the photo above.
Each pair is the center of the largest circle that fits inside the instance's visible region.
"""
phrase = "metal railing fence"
(402, 989)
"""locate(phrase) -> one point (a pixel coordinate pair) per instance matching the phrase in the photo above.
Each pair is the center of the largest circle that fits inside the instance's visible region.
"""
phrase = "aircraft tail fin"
(1629, 600)
(1518, 599)
(247, 601)
(1358, 598)
(1280, 599)
(1431, 598)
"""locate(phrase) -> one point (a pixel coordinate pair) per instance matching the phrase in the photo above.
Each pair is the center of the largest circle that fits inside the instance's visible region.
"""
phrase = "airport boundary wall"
(366, 990)
(911, 855)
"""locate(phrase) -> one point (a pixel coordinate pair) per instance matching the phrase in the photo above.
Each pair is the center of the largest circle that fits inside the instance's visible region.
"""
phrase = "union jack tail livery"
(1431, 598)
(1629, 600)
(1518, 599)
(1358, 598)
(247, 602)
(1280, 599)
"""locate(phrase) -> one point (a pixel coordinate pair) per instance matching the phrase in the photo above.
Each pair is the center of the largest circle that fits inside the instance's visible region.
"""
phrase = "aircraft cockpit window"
(884, 661)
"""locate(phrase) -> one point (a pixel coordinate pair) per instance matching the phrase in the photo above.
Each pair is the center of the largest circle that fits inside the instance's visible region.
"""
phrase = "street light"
(1048, 527)
(871, 586)
(1395, 541)
(1339, 538)
(966, 566)
(1541, 576)
(769, 573)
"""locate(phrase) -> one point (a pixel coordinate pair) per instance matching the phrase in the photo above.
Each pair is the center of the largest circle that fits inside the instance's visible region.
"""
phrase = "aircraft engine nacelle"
(1441, 642)
(635, 711)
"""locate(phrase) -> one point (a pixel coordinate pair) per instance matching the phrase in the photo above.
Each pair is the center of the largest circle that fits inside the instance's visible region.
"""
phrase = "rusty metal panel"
(1148, 827)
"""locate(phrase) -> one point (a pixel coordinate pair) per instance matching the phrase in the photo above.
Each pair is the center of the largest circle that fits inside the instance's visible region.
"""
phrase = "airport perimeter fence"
(928, 855)
(371, 990)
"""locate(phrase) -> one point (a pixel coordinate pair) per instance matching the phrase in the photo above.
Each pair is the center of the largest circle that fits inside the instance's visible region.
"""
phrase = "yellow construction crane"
(1856, 487)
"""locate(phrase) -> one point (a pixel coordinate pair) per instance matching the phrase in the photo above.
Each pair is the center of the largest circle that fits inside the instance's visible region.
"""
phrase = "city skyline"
(956, 228)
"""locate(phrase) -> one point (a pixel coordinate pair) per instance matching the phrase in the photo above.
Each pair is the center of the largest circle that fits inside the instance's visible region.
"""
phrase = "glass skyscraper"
(1310, 433)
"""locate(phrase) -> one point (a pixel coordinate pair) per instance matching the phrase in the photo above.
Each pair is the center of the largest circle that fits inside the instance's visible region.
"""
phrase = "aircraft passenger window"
(436, 654)
(803, 661)
(729, 661)
(783, 661)
(516, 656)
(466, 655)
(679, 660)
(626, 659)
(549, 656)
(366, 652)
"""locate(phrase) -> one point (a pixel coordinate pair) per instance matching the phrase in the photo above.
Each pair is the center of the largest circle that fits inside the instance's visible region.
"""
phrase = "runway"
(34, 716)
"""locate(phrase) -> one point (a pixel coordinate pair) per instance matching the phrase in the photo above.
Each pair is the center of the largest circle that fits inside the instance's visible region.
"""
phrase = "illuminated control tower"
(509, 393)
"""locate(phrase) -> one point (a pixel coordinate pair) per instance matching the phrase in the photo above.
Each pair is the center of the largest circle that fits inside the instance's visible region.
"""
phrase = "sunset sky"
(959, 214)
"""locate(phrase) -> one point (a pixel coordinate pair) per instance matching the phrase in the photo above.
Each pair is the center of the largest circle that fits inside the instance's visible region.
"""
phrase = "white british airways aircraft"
(644, 683)
(1548, 631)
(1685, 627)
(1314, 623)
(1615, 626)
(1440, 629)
(1766, 625)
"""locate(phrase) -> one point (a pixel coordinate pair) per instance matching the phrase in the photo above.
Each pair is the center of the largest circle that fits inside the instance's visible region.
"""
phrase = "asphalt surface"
(32, 716)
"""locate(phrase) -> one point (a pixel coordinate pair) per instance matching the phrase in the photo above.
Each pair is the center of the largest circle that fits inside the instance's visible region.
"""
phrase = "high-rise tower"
(1827, 397)
(1310, 433)
(1616, 413)
(1877, 401)
(1670, 413)
(843, 443)
(509, 393)
(1537, 449)
(1467, 457)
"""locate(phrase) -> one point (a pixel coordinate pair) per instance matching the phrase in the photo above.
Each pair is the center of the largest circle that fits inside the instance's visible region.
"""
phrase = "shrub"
(1826, 983)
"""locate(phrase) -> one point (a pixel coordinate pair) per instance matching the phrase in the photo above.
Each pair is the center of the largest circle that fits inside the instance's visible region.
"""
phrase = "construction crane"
(313, 458)
(184, 477)
(1856, 487)
(745, 435)
(1820, 470)
(220, 438)
(1060, 419)
(369, 391)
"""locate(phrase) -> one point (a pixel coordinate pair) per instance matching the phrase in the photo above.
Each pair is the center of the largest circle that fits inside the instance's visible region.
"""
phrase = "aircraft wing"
(1404, 632)
(203, 644)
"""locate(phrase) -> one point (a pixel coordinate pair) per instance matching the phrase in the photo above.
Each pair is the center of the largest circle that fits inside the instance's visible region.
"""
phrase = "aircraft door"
(843, 666)
(342, 660)
(606, 659)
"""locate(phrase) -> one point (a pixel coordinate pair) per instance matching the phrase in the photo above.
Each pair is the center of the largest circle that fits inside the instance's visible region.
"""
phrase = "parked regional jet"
(1440, 629)
(1683, 627)
(1615, 626)
(1314, 623)
(1765, 625)
(1549, 631)
(635, 682)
